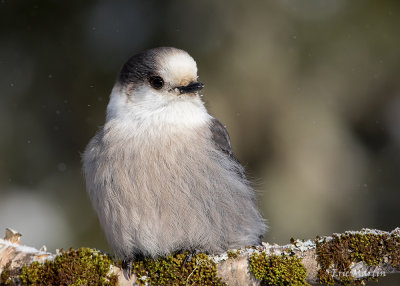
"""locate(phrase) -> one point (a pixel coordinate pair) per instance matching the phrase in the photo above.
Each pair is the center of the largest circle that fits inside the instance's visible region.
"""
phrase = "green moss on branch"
(335, 255)
(176, 270)
(278, 270)
(83, 266)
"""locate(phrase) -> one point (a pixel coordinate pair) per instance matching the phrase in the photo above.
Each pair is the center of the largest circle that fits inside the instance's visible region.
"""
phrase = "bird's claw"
(127, 267)
(189, 256)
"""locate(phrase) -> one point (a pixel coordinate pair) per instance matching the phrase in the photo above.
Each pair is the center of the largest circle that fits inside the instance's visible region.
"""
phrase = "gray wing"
(221, 139)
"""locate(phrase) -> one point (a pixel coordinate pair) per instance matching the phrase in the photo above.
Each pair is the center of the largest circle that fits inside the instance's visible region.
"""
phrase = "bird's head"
(155, 78)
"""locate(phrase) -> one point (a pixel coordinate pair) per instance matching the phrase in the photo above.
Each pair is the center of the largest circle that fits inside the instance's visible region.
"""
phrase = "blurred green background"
(309, 91)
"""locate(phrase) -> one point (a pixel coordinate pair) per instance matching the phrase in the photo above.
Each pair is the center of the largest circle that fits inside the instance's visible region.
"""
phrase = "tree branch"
(341, 258)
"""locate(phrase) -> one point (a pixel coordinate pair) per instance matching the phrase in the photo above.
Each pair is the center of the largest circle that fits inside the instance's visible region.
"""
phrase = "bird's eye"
(156, 82)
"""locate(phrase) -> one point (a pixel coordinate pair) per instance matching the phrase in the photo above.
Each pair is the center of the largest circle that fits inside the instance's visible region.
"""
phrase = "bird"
(161, 173)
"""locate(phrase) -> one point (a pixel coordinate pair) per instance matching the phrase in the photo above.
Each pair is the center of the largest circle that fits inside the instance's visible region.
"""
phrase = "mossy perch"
(347, 258)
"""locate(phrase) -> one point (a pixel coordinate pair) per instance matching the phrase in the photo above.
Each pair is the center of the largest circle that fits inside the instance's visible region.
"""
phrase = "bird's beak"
(191, 87)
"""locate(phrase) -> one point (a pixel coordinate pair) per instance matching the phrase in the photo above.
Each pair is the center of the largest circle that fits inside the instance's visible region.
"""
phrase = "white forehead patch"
(178, 68)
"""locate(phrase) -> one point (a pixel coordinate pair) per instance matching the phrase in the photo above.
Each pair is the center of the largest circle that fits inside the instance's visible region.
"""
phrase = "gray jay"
(160, 173)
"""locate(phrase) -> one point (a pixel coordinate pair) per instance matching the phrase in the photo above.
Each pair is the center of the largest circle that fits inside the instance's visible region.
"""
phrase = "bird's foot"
(127, 267)
(189, 256)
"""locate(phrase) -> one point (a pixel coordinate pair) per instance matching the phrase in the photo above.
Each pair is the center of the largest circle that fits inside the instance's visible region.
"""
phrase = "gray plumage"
(161, 173)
